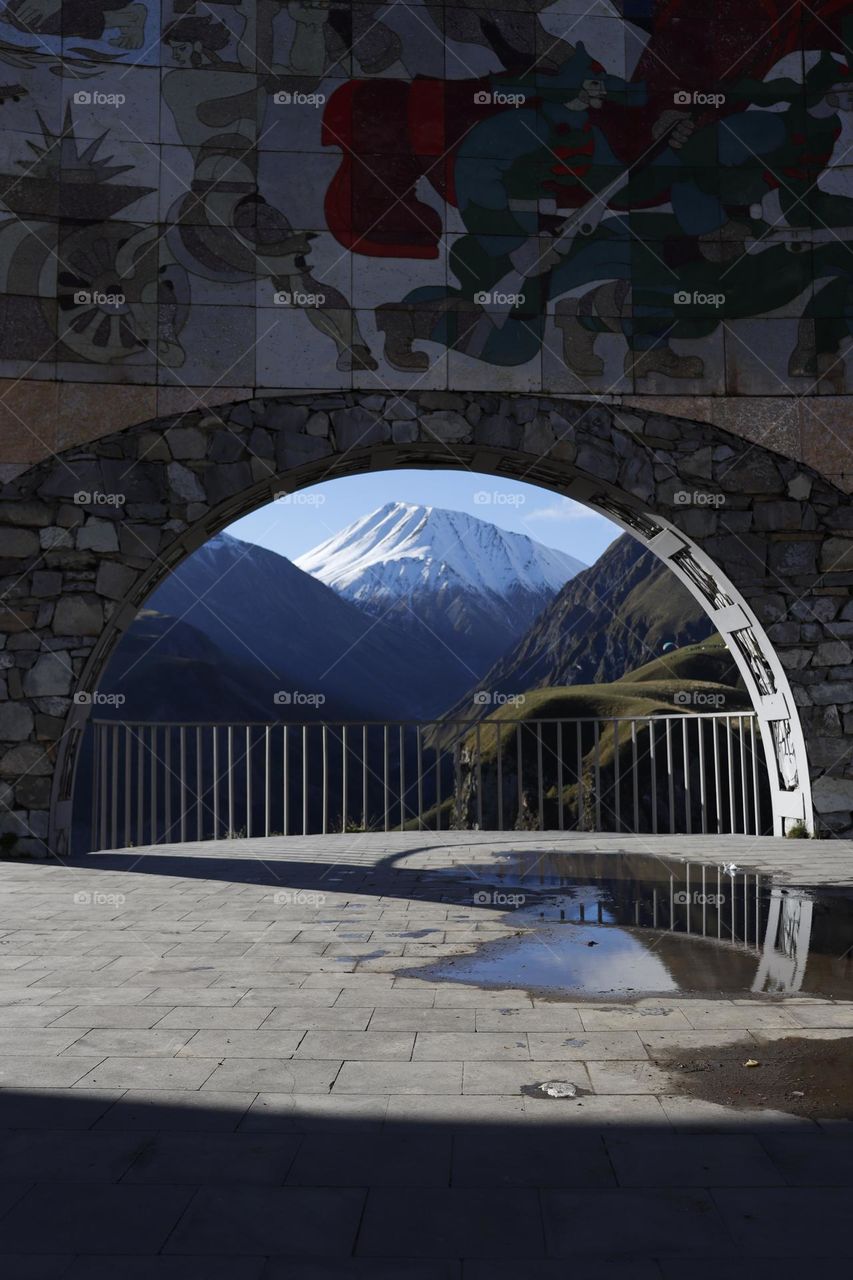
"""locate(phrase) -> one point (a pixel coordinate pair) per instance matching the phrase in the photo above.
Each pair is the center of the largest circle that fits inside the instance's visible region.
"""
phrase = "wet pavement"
(224, 1061)
(636, 924)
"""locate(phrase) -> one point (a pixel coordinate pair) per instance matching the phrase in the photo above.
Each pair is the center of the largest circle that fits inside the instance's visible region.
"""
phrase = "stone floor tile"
(809, 1159)
(628, 1077)
(617, 1222)
(302, 1113)
(272, 1075)
(207, 1017)
(587, 1046)
(61, 1156)
(304, 1222)
(44, 1073)
(144, 1073)
(511, 1077)
(214, 1159)
(179, 1110)
(203, 1267)
(804, 1222)
(92, 1218)
(106, 1042)
(452, 1223)
(364, 1046)
(389, 1159)
(400, 1077)
(321, 1018)
(218, 1043)
(658, 1017)
(537, 1156)
(391, 1019)
(691, 1160)
(453, 1046)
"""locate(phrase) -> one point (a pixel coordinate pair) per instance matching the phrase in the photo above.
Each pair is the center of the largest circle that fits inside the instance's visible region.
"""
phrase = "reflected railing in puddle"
(636, 924)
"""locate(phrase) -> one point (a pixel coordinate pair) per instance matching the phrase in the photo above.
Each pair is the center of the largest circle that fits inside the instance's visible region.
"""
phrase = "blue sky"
(295, 526)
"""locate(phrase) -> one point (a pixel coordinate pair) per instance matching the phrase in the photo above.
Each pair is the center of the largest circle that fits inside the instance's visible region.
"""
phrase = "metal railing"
(667, 774)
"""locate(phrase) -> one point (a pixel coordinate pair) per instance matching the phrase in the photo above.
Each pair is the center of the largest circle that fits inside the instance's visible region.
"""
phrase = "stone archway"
(764, 543)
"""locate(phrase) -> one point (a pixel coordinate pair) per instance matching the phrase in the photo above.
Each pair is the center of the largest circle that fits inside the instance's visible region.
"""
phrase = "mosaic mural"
(637, 196)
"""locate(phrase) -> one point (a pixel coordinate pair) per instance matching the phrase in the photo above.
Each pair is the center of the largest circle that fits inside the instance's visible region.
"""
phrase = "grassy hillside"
(708, 661)
(612, 618)
(623, 699)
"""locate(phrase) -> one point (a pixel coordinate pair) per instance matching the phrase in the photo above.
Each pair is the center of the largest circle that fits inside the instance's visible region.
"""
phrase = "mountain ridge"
(466, 583)
(567, 644)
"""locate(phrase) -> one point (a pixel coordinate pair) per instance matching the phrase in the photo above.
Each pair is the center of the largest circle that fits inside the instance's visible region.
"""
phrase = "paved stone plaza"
(209, 1069)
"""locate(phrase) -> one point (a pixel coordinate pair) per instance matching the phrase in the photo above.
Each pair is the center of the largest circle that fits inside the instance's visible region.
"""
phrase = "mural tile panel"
(660, 188)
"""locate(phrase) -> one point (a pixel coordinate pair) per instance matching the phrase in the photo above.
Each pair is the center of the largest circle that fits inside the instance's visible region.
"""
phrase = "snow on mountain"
(470, 585)
(403, 549)
(291, 632)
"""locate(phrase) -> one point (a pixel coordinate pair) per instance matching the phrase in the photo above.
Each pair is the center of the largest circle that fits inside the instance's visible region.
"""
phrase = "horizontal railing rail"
(156, 782)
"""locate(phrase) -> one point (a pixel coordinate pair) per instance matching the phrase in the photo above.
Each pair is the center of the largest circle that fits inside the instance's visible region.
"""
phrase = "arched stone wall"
(764, 543)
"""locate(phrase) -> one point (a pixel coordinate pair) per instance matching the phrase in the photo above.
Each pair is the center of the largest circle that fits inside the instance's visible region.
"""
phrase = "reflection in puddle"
(633, 925)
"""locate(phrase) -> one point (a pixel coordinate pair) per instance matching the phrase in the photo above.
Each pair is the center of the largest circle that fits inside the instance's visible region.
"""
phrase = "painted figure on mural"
(750, 228)
(223, 228)
(86, 19)
(512, 28)
(575, 204)
(763, 215)
(515, 176)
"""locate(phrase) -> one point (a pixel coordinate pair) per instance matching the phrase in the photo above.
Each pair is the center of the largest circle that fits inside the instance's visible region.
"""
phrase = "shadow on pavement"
(329, 1186)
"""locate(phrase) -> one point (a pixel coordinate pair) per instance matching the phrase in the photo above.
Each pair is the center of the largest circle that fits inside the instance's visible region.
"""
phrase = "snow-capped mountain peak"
(401, 550)
(474, 587)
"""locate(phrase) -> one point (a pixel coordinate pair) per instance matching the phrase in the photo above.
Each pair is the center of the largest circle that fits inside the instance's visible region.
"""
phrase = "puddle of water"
(597, 925)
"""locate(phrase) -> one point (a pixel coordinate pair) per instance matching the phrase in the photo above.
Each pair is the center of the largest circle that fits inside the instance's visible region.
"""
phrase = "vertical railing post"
(478, 747)
(199, 786)
(500, 770)
(344, 769)
(140, 786)
(229, 747)
(653, 762)
(266, 780)
(597, 766)
(540, 773)
(685, 764)
(167, 782)
(718, 791)
(285, 778)
(743, 789)
(385, 778)
(114, 728)
(579, 773)
(560, 822)
(96, 786)
(324, 746)
(182, 778)
(214, 752)
(670, 775)
(756, 803)
(248, 755)
(635, 778)
(305, 779)
(617, 776)
(520, 769)
(364, 798)
(457, 780)
(703, 792)
(420, 767)
(152, 747)
(128, 787)
(402, 775)
(731, 772)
